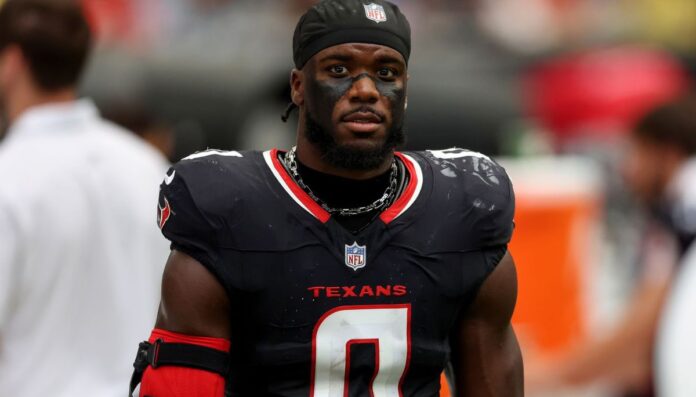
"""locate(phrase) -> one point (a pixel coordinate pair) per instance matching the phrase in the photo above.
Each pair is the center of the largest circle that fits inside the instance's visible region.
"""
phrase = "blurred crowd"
(214, 70)
(609, 81)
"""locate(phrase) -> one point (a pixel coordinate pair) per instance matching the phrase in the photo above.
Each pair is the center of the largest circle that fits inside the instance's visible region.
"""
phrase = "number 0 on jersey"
(385, 326)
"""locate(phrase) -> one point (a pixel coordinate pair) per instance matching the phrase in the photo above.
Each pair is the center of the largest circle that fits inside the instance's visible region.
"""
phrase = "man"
(675, 345)
(339, 267)
(660, 170)
(659, 167)
(78, 255)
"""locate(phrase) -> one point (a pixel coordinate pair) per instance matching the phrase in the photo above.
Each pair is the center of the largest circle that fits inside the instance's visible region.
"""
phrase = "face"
(353, 100)
(12, 72)
(646, 169)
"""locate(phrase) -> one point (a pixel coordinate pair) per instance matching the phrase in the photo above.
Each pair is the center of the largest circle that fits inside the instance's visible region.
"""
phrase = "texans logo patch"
(163, 213)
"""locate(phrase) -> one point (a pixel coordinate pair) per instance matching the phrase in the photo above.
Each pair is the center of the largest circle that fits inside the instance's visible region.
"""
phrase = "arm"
(623, 356)
(193, 301)
(194, 311)
(486, 358)
(187, 354)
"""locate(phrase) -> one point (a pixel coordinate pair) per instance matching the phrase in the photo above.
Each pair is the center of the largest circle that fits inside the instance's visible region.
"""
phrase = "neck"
(310, 155)
(26, 99)
(339, 192)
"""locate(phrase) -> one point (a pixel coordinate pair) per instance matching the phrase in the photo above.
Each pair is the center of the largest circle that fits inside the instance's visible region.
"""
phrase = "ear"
(11, 65)
(297, 87)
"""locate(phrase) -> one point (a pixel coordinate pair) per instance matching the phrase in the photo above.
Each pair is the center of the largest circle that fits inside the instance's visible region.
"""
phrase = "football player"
(340, 267)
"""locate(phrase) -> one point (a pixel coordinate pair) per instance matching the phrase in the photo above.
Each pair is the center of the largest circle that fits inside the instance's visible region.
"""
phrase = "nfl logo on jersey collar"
(375, 12)
(356, 256)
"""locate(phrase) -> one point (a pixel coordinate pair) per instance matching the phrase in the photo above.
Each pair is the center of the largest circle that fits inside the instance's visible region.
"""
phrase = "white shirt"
(676, 340)
(80, 253)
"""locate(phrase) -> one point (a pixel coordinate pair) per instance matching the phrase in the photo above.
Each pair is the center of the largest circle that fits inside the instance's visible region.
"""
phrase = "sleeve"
(493, 206)
(9, 253)
(183, 222)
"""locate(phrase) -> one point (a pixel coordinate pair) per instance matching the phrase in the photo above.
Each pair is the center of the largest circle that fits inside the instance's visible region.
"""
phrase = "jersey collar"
(297, 194)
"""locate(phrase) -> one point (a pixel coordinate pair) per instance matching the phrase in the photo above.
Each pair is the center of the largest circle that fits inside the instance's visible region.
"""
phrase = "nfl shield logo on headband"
(375, 12)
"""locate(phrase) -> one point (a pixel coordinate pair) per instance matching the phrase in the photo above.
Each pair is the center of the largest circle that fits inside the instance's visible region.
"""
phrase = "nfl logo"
(375, 12)
(356, 256)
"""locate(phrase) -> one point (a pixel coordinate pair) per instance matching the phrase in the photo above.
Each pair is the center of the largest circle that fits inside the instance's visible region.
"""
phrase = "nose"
(363, 90)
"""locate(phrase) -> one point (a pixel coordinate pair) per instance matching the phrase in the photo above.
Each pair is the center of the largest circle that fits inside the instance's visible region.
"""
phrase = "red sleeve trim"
(205, 341)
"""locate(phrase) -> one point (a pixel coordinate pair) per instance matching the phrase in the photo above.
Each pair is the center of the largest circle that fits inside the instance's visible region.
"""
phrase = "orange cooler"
(557, 223)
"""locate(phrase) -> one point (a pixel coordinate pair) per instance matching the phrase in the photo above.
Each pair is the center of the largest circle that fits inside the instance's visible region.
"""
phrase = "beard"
(351, 158)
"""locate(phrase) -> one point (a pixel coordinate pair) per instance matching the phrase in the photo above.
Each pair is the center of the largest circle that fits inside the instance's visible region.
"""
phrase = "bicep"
(485, 354)
(193, 300)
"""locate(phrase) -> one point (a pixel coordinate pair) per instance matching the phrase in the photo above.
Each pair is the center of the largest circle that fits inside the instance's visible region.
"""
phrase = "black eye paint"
(327, 93)
(336, 91)
(324, 95)
(389, 89)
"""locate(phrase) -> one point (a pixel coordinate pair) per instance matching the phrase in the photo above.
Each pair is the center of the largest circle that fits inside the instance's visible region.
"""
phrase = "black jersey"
(319, 311)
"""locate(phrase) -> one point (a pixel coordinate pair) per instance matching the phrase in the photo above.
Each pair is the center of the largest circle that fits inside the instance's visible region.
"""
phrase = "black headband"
(334, 22)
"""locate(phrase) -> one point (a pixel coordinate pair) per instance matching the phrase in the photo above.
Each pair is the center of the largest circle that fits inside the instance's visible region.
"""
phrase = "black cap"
(334, 22)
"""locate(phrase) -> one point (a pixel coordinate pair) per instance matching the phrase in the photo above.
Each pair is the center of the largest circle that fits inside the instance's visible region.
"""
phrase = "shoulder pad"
(461, 162)
(482, 188)
(214, 179)
(197, 199)
(213, 152)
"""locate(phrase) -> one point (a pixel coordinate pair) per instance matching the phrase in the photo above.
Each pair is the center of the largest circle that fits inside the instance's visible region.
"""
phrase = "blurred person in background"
(659, 168)
(80, 256)
(676, 337)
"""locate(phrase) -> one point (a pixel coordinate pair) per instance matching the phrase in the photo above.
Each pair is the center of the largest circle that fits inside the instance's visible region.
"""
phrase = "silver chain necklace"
(291, 164)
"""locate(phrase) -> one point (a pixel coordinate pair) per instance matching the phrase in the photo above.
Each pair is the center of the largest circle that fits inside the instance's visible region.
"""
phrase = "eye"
(338, 70)
(387, 73)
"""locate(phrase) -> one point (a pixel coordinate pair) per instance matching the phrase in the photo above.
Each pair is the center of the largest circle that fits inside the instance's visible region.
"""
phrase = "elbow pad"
(178, 365)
